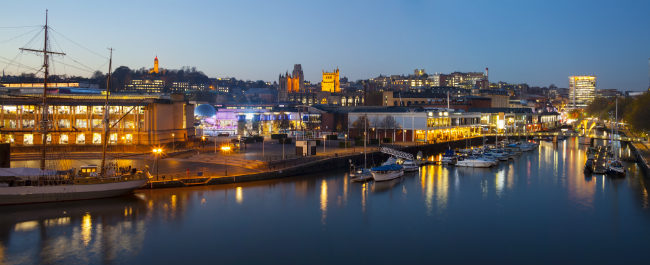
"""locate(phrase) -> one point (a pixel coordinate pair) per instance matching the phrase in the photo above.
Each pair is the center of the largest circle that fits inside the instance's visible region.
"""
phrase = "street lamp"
(157, 151)
(173, 143)
(225, 149)
(346, 142)
(324, 142)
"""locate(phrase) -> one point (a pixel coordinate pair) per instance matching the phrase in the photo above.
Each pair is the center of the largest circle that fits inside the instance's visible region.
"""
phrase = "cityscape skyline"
(363, 42)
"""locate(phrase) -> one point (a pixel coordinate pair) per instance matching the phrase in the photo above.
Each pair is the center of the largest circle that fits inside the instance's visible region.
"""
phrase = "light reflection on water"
(539, 203)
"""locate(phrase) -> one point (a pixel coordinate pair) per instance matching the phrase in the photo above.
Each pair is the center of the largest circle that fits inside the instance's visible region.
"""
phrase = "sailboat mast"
(44, 121)
(106, 113)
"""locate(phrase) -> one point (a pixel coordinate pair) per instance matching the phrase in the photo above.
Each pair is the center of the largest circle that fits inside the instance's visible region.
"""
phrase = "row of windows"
(96, 110)
(64, 138)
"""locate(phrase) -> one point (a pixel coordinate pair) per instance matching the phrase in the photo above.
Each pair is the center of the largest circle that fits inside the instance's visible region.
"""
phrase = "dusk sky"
(534, 42)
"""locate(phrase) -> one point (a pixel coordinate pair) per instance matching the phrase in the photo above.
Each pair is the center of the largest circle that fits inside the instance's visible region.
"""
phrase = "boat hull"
(469, 163)
(387, 176)
(39, 194)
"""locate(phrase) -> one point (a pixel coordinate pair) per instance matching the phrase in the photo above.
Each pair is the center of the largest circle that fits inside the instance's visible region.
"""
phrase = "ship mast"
(107, 126)
(44, 119)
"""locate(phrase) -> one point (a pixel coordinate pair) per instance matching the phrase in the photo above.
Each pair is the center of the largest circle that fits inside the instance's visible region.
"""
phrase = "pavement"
(272, 150)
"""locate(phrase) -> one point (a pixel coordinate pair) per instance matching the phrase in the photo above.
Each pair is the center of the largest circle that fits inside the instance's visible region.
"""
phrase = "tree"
(359, 125)
(639, 117)
(575, 113)
(390, 123)
(375, 123)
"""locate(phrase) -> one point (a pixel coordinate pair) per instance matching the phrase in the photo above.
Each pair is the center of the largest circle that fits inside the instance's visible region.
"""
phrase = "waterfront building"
(77, 119)
(582, 90)
(428, 125)
(513, 120)
(331, 82)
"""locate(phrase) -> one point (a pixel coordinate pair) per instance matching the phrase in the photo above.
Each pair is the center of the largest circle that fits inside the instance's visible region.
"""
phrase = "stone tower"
(155, 66)
(331, 82)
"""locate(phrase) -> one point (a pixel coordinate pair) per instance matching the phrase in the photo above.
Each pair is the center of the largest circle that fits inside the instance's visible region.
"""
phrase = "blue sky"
(534, 42)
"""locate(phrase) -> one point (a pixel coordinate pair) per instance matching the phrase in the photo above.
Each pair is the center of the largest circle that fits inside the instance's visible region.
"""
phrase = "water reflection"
(542, 188)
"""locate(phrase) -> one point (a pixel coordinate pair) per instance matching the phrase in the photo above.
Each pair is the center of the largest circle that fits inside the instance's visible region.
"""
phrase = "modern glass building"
(582, 90)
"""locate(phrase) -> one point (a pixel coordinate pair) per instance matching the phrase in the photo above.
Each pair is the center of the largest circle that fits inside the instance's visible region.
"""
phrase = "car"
(223, 135)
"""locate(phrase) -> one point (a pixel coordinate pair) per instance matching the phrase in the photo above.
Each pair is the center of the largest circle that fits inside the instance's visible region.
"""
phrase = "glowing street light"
(173, 142)
(157, 151)
(324, 142)
(225, 149)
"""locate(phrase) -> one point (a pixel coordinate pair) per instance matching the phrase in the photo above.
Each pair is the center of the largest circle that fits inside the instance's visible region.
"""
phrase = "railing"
(618, 137)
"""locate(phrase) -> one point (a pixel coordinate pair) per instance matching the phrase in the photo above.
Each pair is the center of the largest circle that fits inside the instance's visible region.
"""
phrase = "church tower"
(331, 82)
(155, 66)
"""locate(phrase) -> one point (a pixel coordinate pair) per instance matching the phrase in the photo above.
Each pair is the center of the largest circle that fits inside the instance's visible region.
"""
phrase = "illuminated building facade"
(146, 86)
(331, 82)
(582, 90)
(77, 119)
(291, 83)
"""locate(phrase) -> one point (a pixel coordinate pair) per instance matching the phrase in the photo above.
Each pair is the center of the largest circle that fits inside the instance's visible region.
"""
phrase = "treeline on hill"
(123, 75)
(633, 110)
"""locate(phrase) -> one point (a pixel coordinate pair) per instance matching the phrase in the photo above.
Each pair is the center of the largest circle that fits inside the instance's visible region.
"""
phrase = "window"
(97, 138)
(129, 138)
(9, 139)
(97, 123)
(81, 138)
(113, 138)
(81, 109)
(28, 109)
(81, 123)
(10, 124)
(64, 123)
(98, 110)
(63, 109)
(28, 139)
(28, 123)
(63, 139)
(9, 109)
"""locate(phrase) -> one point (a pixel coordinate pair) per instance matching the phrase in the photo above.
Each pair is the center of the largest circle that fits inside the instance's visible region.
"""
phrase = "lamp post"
(157, 151)
(225, 149)
(283, 147)
(346, 142)
(324, 142)
(173, 143)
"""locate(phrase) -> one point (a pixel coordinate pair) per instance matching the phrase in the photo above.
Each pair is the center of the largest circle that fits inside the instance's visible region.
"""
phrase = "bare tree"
(390, 123)
(359, 125)
(375, 123)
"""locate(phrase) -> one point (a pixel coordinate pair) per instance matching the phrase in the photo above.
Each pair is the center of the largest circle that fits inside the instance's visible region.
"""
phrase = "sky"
(535, 42)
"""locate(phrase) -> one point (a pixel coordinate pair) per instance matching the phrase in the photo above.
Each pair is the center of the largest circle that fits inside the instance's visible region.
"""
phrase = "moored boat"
(387, 172)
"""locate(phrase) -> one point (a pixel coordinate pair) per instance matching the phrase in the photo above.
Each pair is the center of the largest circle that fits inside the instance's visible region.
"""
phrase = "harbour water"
(538, 209)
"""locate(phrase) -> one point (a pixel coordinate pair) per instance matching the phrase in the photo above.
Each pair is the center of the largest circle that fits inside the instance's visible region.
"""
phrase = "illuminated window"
(97, 138)
(81, 138)
(28, 139)
(129, 138)
(63, 139)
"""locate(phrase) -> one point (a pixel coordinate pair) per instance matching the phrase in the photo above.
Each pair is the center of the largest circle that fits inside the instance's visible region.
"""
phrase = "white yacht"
(472, 161)
(388, 172)
(410, 166)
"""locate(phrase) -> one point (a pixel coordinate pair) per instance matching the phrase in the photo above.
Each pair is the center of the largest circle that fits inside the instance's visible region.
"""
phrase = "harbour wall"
(641, 160)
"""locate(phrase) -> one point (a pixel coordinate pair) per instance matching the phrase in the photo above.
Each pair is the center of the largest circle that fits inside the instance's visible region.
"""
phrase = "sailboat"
(614, 166)
(38, 185)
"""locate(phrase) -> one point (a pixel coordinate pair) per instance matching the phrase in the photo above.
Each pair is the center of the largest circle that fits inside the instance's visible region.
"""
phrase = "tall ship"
(37, 185)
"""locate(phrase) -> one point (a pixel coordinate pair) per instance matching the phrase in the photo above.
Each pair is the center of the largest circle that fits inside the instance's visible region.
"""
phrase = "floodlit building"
(76, 119)
(331, 82)
(582, 90)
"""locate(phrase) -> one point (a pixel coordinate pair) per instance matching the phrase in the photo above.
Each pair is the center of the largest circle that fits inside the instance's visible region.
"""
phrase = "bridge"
(570, 134)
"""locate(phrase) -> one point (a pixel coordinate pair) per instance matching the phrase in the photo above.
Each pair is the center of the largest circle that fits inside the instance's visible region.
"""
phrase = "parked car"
(223, 135)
